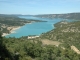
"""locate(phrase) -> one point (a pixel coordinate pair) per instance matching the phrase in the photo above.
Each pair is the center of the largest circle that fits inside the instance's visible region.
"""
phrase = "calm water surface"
(35, 28)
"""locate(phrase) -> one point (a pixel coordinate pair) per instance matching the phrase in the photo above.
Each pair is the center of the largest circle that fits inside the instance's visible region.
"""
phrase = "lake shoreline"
(12, 30)
(34, 28)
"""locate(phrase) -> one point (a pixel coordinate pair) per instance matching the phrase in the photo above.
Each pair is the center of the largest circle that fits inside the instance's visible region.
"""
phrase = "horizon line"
(38, 14)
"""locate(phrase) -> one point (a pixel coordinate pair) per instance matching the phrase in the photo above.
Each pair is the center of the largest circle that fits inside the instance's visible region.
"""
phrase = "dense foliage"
(35, 50)
(4, 53)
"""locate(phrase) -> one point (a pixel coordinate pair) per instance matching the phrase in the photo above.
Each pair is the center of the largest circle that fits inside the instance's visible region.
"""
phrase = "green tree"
(4, 54)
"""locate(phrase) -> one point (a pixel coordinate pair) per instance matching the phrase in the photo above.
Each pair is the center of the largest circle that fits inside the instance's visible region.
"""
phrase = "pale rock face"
(31, 37)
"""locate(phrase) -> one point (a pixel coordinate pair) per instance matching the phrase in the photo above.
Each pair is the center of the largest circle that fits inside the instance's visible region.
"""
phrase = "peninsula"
(10, 23)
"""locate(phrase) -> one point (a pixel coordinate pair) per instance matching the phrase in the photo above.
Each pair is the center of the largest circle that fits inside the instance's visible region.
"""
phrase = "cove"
(35, 28)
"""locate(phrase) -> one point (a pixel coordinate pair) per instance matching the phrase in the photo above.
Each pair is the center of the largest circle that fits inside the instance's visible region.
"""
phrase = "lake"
(35, 28)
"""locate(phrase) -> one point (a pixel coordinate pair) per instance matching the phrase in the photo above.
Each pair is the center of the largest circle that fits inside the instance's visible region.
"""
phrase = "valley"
(61, 42)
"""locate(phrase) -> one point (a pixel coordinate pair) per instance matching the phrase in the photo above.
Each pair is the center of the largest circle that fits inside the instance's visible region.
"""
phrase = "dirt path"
(75, 49)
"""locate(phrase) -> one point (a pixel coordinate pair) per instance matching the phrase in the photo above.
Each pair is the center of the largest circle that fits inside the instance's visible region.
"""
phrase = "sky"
(35, 7)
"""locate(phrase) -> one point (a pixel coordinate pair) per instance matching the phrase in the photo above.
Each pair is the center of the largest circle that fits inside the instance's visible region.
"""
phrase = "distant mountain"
(64, 16)
(21, 15)
(13, 15)
(7, 15)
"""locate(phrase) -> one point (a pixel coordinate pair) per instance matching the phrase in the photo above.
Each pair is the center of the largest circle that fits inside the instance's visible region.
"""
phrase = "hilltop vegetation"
(34, 49)
(75, 16)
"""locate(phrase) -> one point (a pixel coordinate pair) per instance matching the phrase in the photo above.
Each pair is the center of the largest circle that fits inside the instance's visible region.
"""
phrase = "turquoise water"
(35, 28)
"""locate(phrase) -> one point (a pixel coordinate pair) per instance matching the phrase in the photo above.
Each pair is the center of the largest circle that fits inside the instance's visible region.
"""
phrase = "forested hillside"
(65, 32)
(34, 49)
